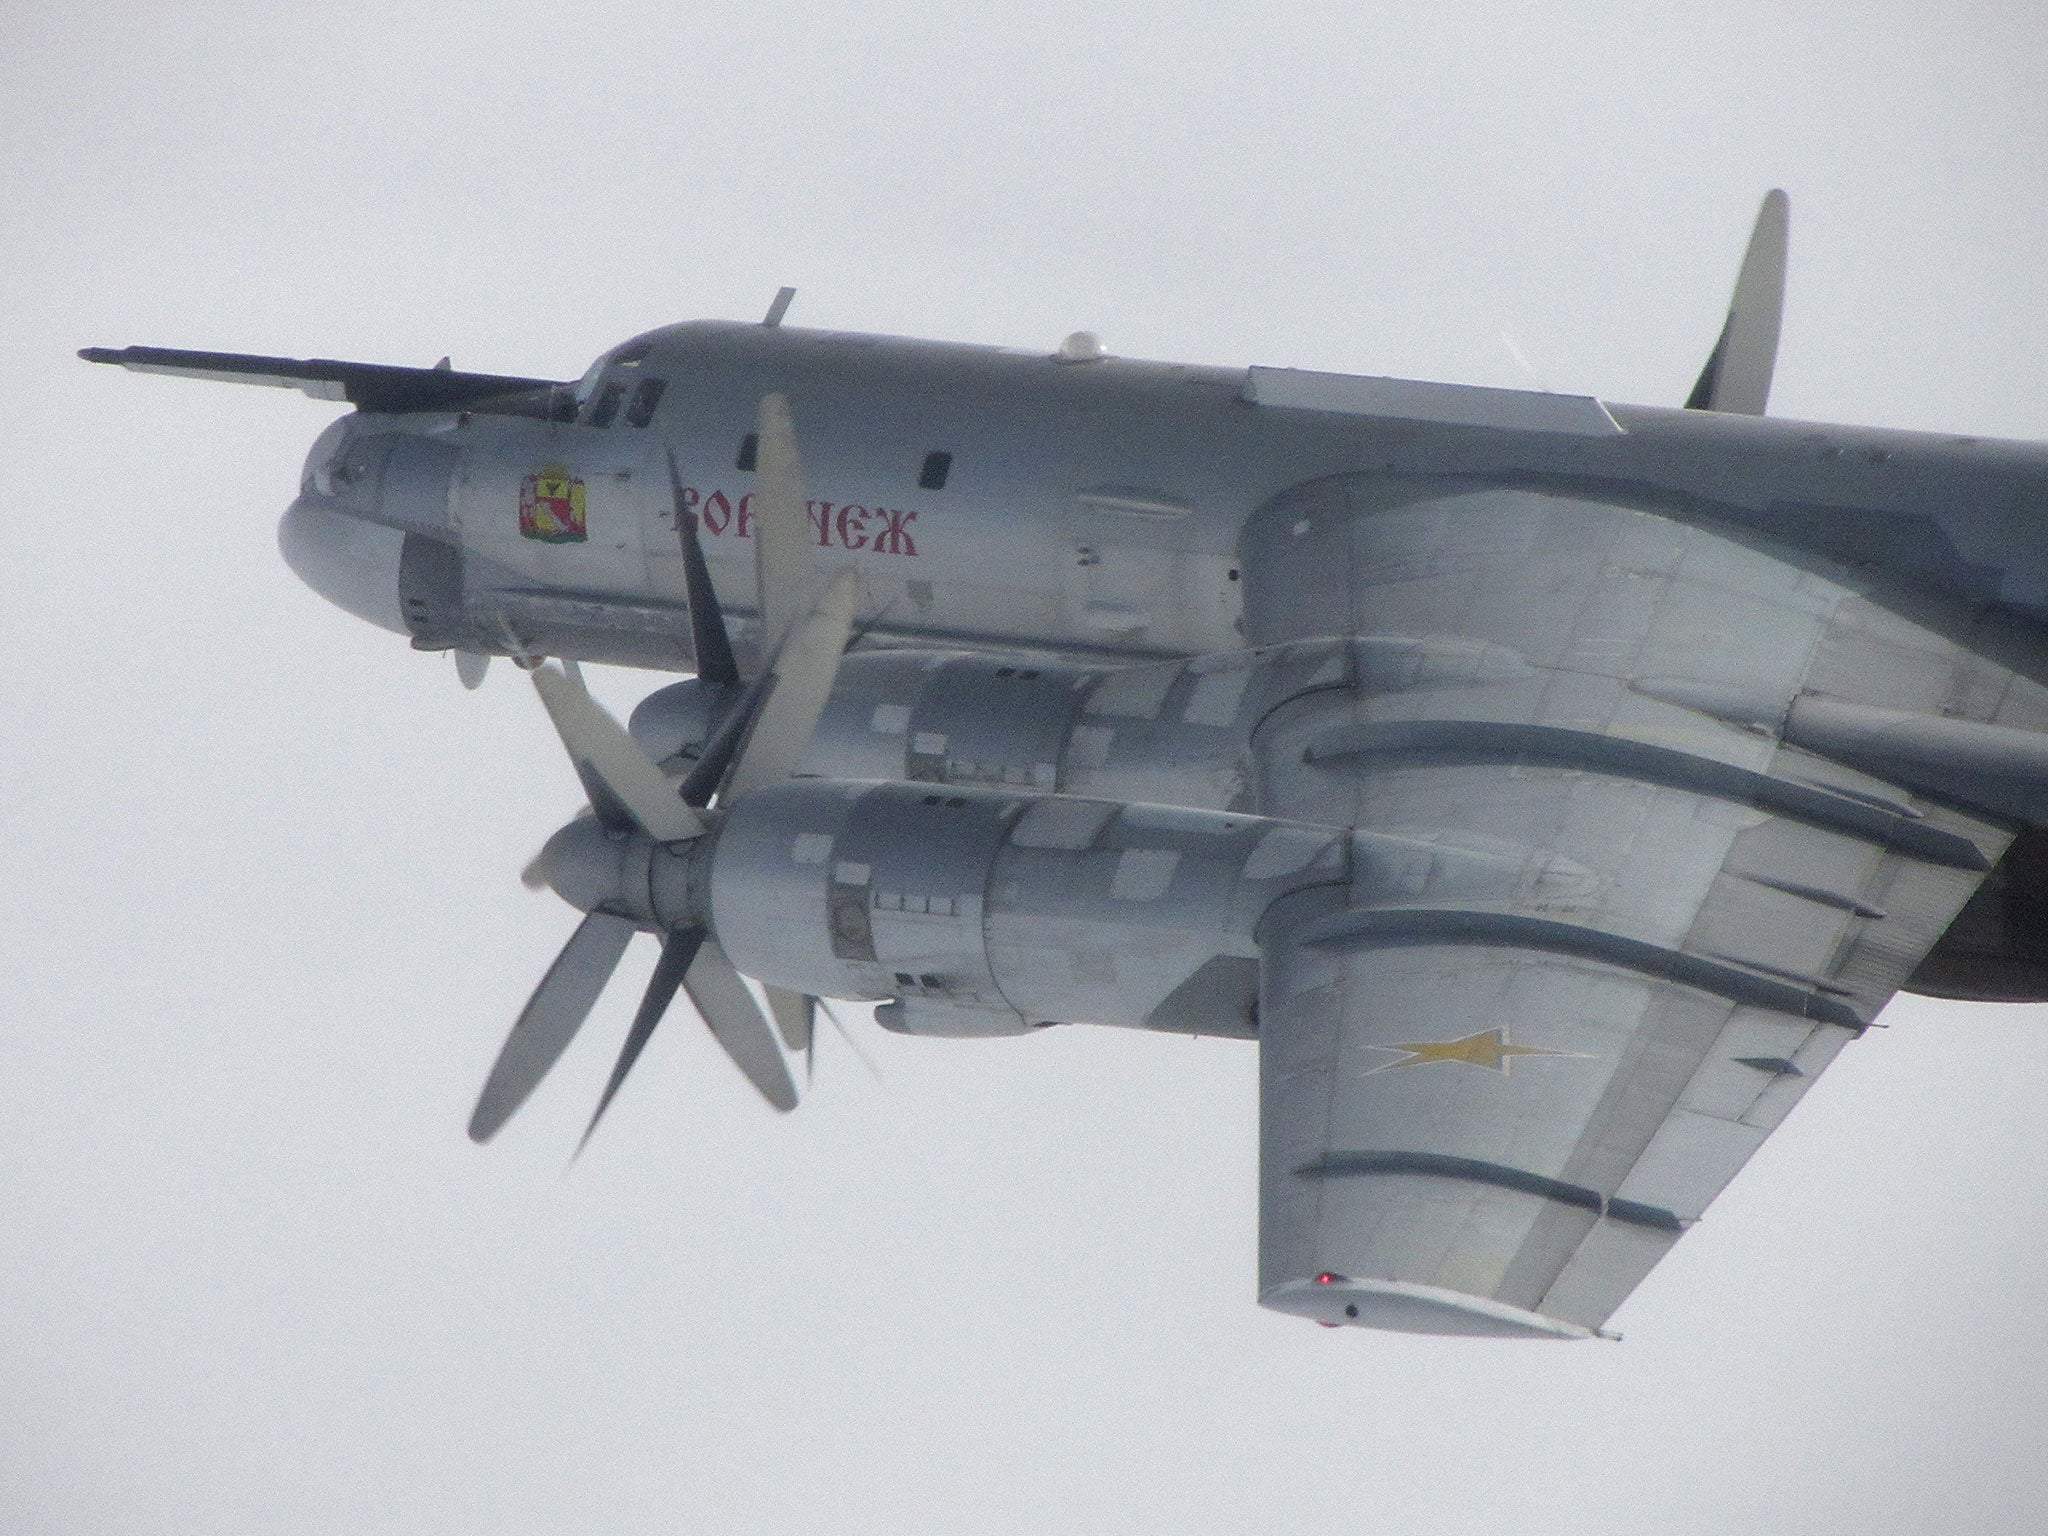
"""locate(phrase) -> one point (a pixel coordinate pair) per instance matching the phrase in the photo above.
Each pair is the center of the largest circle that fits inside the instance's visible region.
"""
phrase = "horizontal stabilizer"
(1737, 377)
(381, 387)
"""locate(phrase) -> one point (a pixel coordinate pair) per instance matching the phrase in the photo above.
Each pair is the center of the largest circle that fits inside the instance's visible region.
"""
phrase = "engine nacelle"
(1173, 732)
(986, 913)
(674, 722)
(975, 912)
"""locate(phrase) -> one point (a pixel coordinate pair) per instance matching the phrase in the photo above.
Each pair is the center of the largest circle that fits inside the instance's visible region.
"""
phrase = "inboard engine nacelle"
(975, 912)
(971, 912)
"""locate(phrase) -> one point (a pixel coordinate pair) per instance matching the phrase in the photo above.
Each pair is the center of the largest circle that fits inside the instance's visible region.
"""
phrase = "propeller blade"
(702, 781)
(1737, 377)
(804, 671)
(735, 1022)
(676, 956)
(847, 1035)
(795, 1017)
(783, 576)
(708, 637)
(549, 1021)
(625, 787)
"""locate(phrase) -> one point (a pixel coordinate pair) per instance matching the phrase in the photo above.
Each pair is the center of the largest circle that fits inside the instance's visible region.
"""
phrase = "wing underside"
(1498, 1084)
(382, 387)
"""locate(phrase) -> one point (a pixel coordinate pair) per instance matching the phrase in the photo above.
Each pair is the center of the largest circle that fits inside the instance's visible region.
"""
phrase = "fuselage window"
(750, 449)
(645, 399)
(932, 477)
(607, 405)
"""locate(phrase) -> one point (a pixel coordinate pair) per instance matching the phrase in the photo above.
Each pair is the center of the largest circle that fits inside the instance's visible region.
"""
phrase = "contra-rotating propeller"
(759, 741)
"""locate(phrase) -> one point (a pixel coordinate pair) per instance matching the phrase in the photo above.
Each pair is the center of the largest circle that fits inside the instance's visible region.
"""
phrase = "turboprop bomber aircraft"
(1549, 787)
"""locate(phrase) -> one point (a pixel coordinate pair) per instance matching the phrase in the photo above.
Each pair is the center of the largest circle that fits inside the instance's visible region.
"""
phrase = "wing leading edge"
(380, 387)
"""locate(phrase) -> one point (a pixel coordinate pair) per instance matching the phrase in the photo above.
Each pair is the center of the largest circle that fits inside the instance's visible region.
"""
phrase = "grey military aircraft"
(1550, 787)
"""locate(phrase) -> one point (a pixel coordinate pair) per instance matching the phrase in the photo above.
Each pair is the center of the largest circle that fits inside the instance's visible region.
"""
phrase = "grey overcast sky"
(263, 931)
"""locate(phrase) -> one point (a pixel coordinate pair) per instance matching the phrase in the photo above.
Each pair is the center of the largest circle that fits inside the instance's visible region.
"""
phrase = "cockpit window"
(607, 406)
(645, 398)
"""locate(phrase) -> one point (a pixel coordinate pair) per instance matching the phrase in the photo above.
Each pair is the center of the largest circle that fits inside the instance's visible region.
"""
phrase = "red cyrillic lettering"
(853, 527)
(894, 537)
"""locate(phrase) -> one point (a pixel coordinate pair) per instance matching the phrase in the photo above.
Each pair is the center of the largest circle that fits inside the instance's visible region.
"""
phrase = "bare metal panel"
(1494, 1092)
(1466, 405)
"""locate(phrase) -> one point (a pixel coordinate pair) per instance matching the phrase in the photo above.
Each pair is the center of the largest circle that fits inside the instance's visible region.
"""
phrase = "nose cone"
(351, 563)
(583, 864)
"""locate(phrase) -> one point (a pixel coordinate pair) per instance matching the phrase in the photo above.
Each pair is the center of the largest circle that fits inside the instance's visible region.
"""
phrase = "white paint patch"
(1061, 823)
(890, 719)
(1136, 693)
(1284, 850)
(1214, 699)
(811, 847)
(1089, 745)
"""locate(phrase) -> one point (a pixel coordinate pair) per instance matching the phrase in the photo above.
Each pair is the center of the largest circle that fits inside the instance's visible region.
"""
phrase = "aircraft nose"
(350, 562)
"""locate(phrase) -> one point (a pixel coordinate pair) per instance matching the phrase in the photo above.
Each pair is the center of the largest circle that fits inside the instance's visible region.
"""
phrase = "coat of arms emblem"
(551, 506)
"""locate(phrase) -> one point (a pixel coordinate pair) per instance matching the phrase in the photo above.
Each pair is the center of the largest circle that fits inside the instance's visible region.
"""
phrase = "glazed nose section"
(401, 479)
(347, 560)
(363, 492)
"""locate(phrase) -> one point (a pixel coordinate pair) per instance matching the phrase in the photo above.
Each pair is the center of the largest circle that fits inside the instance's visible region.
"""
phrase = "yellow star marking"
(1489, 1048)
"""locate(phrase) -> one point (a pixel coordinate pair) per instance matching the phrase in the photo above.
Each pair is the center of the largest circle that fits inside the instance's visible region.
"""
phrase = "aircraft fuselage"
(1007, 500)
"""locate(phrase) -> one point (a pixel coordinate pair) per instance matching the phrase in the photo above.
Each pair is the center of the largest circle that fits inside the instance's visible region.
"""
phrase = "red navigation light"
(1328, 1277)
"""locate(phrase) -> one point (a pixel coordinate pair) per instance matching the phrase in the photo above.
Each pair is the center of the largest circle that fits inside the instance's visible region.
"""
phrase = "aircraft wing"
(1498, 1083)
(382, 387)
(1529, 1112)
